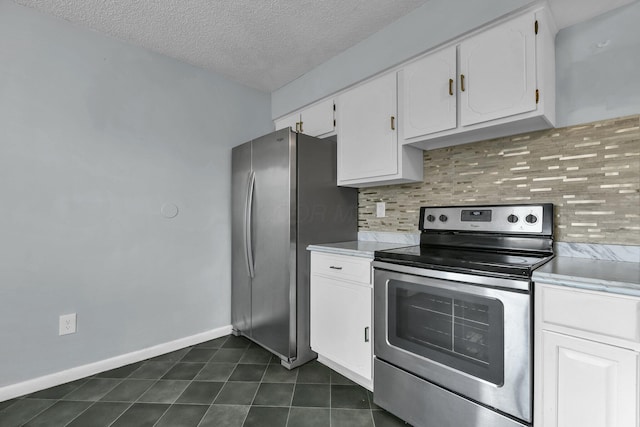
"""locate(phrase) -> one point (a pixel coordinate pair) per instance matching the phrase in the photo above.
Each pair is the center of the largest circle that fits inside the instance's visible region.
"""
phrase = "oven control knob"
(431, 218)
(531, 219)
(512, 219)
(443, 218)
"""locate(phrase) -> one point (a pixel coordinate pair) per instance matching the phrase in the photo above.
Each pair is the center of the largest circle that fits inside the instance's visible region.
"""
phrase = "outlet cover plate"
(381, 209)
(67, 324)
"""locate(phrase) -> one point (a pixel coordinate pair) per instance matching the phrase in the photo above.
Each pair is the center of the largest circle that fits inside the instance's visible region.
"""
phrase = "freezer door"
(240, 278)
(273, 219)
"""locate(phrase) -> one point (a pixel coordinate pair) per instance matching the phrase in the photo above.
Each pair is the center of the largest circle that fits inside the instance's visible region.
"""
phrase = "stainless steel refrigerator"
(284, 197)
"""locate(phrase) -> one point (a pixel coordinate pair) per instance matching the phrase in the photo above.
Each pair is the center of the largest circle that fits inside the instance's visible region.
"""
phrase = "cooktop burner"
(488, 240)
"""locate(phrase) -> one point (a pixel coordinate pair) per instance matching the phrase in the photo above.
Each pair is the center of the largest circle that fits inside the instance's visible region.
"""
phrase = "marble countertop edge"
(359, 248)
(587, 284)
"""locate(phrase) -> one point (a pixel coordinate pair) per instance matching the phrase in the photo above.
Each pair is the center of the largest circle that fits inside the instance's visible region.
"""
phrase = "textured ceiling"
(260, 43)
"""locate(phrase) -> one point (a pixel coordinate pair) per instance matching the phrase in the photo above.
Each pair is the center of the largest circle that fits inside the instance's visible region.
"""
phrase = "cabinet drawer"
(610, 315)
(342, 267)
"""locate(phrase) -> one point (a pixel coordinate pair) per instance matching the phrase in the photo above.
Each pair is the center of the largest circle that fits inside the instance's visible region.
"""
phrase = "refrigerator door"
(273, 221)
(240, 278)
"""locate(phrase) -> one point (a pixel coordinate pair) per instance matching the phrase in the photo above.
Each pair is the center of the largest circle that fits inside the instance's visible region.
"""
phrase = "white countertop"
(607, 276)
(358, 248)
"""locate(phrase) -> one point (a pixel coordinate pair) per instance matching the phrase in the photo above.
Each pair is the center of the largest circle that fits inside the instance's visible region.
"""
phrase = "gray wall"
(599, 83)
(95, 135)
(592, 84)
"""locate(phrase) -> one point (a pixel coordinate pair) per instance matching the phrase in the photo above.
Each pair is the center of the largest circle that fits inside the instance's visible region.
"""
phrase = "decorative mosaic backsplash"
(591, 173)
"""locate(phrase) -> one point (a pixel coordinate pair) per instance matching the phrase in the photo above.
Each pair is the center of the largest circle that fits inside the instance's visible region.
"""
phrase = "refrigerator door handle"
(248, 216)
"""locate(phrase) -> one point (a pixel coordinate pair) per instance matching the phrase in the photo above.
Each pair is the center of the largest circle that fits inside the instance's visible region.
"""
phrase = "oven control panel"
(499, 218)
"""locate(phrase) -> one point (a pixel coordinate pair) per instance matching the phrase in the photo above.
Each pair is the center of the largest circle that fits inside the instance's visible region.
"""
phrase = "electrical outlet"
(67, 324)
(381, 210)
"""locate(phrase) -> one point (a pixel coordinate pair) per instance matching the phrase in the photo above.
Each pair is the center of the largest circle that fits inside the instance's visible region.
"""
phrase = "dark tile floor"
(226, 382)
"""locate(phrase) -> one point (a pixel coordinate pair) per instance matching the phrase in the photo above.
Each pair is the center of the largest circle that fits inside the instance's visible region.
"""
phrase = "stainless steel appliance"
(452, 316)
(284, 197)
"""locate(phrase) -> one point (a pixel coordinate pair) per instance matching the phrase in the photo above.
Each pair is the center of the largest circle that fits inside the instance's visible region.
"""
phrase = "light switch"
(381, 209)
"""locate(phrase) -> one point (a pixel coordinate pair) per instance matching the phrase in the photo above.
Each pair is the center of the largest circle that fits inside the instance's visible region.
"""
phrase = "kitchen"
(58, 260)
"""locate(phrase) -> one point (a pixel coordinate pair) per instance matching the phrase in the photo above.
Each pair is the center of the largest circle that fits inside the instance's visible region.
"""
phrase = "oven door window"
(460, 330)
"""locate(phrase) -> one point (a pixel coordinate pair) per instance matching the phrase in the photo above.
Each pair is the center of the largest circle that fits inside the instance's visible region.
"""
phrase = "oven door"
(470, 339)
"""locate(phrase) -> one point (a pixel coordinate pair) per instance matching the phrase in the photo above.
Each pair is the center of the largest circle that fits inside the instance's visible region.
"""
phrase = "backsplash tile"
(590, 172)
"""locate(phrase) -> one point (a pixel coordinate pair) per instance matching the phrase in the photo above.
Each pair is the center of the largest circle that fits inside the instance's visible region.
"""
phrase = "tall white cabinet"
(587, 358)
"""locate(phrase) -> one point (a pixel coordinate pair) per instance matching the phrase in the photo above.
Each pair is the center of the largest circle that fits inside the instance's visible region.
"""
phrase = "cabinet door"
(428, 94)
(318, 119)
(499, 72)
(367, 139)
(341, 322)
(588, 384)
(291, 121)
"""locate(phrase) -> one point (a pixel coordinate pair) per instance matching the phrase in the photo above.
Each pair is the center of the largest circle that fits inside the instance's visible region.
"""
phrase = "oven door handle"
(454, 279)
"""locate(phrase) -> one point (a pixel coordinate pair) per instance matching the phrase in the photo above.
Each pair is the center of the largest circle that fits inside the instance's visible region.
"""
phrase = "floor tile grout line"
(121, 414)
(82, 412)
(295, 385)
(254, 360)
(160, 417)
(39, 413)
(137, 400)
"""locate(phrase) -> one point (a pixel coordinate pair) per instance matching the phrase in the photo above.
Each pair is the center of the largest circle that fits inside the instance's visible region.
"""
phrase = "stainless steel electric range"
(453, 330)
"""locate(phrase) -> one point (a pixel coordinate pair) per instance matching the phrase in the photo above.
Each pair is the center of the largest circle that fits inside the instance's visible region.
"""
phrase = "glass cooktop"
(486, 262)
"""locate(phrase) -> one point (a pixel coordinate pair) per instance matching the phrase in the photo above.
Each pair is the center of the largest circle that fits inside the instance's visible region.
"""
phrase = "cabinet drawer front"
(342, 267)
(595, 312)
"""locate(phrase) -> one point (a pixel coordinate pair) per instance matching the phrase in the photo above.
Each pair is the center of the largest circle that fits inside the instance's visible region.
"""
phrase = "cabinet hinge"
(537, 96)
(535, 26)
(334, 107)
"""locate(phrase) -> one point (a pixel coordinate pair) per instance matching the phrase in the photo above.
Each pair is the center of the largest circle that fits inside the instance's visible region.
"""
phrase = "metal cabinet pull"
(451, 87)
(462, 82)
(366, 334)
(335, 268)
(393, 123)
(301, 131)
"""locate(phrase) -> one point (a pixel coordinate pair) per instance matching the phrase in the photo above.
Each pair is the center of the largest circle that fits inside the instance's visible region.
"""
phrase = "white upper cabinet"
(291, 121)
(494, 82)
(504, 85)
(428, 94)
(498, 72)
(316, 120)
(367, 137)
(368, 149)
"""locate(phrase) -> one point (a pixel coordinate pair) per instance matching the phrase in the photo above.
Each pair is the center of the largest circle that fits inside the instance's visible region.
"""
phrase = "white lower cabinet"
(588, 384)
(586, 376)
(341, 314)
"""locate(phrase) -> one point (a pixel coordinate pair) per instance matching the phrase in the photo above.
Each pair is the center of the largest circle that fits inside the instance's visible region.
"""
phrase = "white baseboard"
(62, 377)
(356, 378)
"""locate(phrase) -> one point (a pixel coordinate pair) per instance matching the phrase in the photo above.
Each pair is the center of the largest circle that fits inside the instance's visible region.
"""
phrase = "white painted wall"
(95, 135)
(592, 84)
